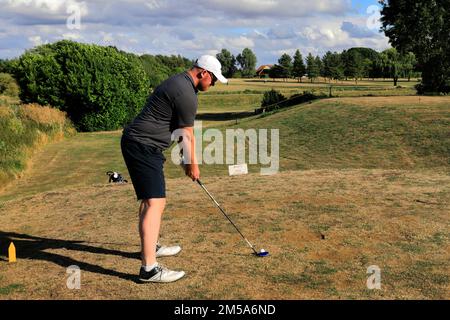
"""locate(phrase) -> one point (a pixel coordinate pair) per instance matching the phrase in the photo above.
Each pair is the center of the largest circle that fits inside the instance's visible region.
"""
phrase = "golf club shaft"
(224, 213)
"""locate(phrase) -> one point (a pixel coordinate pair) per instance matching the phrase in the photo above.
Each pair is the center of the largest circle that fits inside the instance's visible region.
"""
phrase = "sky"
(191, 28)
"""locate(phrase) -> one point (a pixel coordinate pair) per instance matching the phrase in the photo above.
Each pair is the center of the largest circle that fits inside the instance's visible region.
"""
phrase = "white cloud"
(107, 38)
(35, 40)
(190, 27)
(260, 34)
(280, 8)
(356, 31)
(40, 11)
(240, 42)
(72, 36)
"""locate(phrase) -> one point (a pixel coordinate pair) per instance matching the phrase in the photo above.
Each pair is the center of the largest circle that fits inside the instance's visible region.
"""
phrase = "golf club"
(262, 252)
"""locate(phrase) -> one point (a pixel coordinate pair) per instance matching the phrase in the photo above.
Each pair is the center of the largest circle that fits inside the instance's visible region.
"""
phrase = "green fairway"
(349, 133)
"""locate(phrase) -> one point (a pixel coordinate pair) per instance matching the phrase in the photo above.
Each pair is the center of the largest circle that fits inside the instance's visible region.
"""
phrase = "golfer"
(172, 106)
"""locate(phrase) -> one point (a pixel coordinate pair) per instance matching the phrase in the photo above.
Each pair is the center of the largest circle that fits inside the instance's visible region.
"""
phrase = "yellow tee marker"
(12, 253)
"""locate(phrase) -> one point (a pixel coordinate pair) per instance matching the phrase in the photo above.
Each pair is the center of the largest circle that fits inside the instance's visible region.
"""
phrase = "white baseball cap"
(211, 64)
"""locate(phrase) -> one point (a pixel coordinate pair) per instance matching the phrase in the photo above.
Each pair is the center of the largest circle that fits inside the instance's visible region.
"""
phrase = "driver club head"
(262, 253)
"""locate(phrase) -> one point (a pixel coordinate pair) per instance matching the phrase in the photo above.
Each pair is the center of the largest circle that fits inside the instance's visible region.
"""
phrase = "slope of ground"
(341, 133)
(363, 132)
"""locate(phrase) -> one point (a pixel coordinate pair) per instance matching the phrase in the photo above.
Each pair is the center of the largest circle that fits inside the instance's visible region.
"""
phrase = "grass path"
(78, 161)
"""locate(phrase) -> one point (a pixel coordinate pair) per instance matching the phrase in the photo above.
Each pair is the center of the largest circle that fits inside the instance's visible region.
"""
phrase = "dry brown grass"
(404, 100)
(237, 84)
(397, 220)
(9, 100)
(25, 129)
(43, 114)
(5, 111)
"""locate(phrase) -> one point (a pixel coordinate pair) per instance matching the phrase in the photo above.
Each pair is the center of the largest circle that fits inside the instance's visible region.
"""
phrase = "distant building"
(263, 70)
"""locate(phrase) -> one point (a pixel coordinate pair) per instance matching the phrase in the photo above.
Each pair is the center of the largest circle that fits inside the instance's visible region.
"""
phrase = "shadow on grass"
(224, 116)
(33, 248)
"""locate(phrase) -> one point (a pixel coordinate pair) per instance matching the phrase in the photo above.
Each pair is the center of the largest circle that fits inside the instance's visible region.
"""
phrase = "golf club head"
(262, 254)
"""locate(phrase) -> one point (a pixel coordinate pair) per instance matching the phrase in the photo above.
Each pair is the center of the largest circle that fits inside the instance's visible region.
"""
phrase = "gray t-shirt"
(172, 105)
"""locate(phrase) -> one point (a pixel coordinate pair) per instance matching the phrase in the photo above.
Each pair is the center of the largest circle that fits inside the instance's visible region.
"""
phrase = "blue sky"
(193, 27)
(361, 6)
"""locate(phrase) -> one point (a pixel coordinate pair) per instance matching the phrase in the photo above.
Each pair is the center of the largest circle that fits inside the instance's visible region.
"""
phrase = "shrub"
(159, 68)
(100, 88)
(423, 89)
(274, 100)
(299, 98)
(272, 97)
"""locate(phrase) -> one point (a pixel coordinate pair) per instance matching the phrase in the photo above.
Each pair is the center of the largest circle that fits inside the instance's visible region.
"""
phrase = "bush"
(100, 88)
(159, 68)
(8, 86)
(273, 100)
(428, 90)
(272, 97)
(299, 98)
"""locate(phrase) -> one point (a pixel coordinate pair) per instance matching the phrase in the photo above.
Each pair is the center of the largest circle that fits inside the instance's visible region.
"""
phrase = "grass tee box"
(394, 219)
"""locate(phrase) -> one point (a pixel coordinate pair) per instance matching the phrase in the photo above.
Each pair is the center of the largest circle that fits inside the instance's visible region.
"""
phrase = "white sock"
(150, 268)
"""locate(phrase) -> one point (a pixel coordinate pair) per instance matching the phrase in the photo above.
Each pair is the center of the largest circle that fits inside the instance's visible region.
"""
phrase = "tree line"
(419, 32)
(354, 63)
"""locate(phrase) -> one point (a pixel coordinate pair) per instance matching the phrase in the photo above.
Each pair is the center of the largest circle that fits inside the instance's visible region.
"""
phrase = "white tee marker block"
(238, 169)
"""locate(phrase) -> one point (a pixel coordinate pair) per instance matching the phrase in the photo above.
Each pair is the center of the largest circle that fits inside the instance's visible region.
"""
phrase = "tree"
(395, 64)
(327, 65)
(353, 64)
(319, 65)
(247, 61)
(409, 64)
(227, 61)
(311, 67)
(277, 72)
(369, 58)
(298, 68)
(332, 66)
(285, 62)
(158, 68)
(155, 70)
(366, 67)
(234, 69)
(421, 27)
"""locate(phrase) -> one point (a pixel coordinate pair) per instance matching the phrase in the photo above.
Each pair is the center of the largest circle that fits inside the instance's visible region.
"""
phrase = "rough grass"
(25, 129)
(394, 219)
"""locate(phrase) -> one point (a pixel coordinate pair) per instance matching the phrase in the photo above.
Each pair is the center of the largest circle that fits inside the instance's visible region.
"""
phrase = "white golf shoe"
(160, 274)
(163, 251)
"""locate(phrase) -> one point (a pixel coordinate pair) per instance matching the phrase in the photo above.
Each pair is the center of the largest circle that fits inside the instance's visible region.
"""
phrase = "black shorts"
(145, 165)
